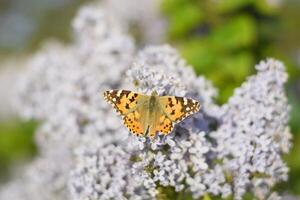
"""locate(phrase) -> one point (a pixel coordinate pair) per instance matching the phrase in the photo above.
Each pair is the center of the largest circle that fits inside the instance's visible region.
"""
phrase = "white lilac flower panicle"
(254, 132)
(44, 178)
(145, 21)
(181, 159)
(65, 83)
(248, 144)
(105, 173)
(62, 87)
(168, 161)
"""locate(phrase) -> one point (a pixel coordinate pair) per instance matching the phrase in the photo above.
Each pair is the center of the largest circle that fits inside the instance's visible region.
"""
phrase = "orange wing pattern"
(178, 108)
(126, 103)
(122, 100)
(133, 122)
(172, 109)
(165, 125)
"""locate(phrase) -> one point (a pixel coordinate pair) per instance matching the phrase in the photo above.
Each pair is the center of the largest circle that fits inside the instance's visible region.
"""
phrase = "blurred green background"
(223, 40)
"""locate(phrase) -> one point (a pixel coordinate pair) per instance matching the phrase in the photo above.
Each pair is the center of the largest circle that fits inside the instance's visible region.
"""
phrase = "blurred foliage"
(25, 24)
(223, 40)
(16, 143)
(60, 26)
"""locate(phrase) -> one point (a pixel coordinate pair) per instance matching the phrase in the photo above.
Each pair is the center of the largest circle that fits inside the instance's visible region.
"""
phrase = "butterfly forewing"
(123, 101)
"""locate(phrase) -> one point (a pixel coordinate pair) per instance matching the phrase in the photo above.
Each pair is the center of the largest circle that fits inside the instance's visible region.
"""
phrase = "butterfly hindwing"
(133, 122)
(123, 101)
(178, 108)
(164, 125)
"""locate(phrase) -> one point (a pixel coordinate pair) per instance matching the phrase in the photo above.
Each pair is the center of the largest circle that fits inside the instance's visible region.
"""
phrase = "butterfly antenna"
(146, 132)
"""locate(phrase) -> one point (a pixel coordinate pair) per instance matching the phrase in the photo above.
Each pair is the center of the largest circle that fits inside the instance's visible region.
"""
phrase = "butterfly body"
(150, 113)
(146, 115)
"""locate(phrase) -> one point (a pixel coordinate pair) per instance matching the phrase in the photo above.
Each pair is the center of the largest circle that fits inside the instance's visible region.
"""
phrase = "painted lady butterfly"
(146, 115)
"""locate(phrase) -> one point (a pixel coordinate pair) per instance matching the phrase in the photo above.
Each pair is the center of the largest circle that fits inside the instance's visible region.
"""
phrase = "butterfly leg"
(152, 132)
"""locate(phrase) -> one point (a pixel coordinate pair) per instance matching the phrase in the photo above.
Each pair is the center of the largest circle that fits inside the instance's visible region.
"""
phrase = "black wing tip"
(105, 93)
(197, 105)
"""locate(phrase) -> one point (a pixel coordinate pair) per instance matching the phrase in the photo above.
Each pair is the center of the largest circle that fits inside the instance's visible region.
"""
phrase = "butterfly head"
(154, 93)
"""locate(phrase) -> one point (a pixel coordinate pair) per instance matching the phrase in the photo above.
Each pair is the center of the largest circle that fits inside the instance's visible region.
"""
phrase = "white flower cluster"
(140, 17)
(162, 70)
(253, 133)
(181, 159)
(86, 153)
(44, 178)
(62, 87)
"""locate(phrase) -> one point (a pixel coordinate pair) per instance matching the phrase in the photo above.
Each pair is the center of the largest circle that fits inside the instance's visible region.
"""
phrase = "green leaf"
(16, 142)
(267, 7)
(237, 66)
(239, 32)
(183, 20)
(232, 5)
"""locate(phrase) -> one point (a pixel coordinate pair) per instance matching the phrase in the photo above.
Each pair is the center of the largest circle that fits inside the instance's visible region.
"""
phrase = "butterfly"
(146, 115)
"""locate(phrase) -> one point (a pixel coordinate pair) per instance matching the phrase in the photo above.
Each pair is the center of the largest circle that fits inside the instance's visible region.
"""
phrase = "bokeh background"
(222, 41)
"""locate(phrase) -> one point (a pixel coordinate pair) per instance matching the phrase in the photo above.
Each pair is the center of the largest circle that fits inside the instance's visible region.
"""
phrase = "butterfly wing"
(178, 108)
(171, 109)
(123, 101)
(164, 125)
(134, 123)
(127, 104)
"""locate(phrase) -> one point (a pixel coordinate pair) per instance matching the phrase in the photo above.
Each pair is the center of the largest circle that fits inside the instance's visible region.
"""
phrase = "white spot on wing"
(119, 93)
(184, 101)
